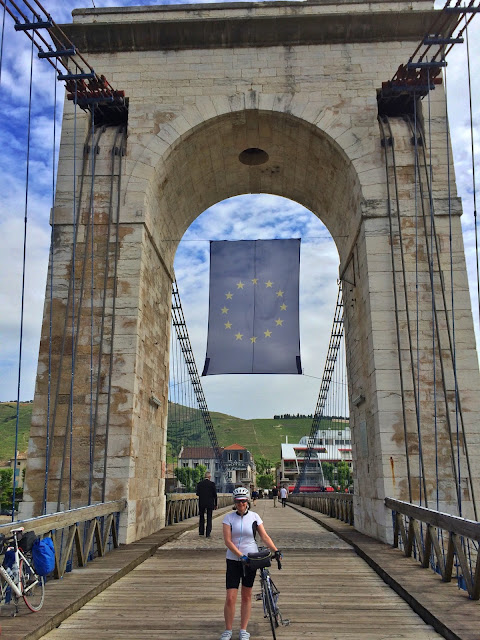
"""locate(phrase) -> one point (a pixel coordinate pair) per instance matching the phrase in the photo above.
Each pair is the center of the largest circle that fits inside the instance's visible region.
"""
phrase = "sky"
(251, 217)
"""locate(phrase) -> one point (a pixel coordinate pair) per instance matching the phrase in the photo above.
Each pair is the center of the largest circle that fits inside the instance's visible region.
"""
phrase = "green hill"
(262, 437)
(8, 418)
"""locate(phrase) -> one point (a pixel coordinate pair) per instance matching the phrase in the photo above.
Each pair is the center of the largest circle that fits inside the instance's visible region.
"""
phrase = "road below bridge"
(327, 591)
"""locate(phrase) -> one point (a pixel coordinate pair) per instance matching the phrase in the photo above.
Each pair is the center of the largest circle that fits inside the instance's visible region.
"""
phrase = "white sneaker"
(226, 635)
(243, 635)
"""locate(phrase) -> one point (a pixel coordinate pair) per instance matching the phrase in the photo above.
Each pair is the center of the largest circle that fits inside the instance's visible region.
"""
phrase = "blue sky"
(253, 217)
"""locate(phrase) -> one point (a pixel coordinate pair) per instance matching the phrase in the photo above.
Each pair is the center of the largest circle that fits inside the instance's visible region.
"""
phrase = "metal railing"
(447, 544)
(91, 531)
(181, 506)
(335, 505)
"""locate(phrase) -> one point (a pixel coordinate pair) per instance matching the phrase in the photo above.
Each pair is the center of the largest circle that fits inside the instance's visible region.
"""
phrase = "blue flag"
(253, 322)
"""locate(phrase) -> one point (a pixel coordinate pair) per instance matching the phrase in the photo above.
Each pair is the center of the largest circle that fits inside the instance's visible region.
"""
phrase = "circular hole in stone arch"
(253, 156)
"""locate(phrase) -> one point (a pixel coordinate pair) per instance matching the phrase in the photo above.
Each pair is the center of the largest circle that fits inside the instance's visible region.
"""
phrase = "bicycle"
(18, 578)
(269, 593)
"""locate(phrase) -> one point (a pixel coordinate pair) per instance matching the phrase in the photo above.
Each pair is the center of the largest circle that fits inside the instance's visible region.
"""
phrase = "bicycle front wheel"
(33, 587)
(270, 608)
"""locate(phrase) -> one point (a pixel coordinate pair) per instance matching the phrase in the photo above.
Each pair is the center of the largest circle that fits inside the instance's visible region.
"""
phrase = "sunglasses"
(241, 501)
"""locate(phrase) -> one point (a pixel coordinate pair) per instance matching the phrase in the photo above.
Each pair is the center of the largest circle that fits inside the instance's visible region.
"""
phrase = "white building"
(330, 445)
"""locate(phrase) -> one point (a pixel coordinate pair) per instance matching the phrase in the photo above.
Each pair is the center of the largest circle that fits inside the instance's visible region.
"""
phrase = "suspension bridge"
(344, 109)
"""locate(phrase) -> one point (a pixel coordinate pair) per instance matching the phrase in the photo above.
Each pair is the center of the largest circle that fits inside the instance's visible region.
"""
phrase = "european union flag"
(253, 322)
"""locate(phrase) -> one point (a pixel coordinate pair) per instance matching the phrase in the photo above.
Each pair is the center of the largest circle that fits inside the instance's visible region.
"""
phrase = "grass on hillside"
(8, 418)
(261, 436)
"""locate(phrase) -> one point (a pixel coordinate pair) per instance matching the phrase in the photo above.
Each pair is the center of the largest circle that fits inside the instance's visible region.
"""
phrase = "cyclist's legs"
(229, 608)
(246, 608)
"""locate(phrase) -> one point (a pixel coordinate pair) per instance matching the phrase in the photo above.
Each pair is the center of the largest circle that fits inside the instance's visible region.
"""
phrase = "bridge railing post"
(426, 533)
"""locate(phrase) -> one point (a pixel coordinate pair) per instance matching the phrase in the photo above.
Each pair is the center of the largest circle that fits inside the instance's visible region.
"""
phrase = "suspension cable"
(72, 379)
(178, 320)
(435, 327)
(76, 327)
(2, 41)
(106, 272)
(432, 249)
(421, 466)
(65, 323)
(330, 362)
(387, 142)
(50, 317)
(452, 299)
(121, 153)
(472, 151)
(24, 262)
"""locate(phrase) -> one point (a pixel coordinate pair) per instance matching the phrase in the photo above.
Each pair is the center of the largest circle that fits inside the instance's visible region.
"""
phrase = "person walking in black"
(207, 501)
(275, 496)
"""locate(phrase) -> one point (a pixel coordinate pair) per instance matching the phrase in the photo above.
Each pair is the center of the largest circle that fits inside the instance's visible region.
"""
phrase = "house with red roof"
(237, 460)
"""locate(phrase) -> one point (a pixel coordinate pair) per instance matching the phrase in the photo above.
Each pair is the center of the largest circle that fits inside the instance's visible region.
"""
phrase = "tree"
(265, 481)
(327, 468)
(190, 477)
(263, 465)
(6, 476)
(344, 474)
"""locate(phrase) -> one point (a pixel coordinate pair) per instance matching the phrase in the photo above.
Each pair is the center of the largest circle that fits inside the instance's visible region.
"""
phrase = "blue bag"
(43, 554)
(9, 559)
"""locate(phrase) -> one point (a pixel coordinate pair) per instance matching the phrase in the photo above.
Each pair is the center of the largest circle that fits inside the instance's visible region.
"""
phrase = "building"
(194, 456)
(18, 470)
(237, 460)
(240, 465)
(330, 445)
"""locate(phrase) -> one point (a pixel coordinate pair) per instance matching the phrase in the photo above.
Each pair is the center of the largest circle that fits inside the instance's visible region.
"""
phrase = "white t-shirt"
(283, 493)
(242, 532)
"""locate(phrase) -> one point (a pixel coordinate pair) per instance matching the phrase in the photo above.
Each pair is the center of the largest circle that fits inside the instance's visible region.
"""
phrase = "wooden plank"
(447, 608)
(63, 519)
(454, 524)
(179, 592)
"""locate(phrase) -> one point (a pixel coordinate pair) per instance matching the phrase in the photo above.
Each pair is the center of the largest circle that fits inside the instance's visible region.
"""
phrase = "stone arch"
(202, 167)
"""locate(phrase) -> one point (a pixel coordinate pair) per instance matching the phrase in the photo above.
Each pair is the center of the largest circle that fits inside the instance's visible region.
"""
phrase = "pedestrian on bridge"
(283, 496)
(275, 496)
(239, 529)
(207, 501)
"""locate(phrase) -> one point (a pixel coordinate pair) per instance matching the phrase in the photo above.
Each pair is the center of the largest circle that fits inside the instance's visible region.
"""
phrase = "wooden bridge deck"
(177, 591)
(327, 591)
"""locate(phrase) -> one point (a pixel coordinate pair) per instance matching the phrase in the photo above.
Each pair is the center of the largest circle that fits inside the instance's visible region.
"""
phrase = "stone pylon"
(295, 86)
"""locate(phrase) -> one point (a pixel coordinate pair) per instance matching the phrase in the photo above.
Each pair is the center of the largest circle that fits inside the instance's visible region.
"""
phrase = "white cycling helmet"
(241, 493)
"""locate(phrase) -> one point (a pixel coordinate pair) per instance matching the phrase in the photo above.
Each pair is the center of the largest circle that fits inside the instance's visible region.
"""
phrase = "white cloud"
(262, 217)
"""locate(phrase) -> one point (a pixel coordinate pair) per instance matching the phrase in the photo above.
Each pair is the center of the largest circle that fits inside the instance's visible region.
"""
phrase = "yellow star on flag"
(269, 284)
(283, 307)
(240, 285)
(229, 295)
(278, 322)
(238, 336)
(224, 310)
(228, 325)
(267, 333)
(252, 340)
(280, 293)
(255, 280)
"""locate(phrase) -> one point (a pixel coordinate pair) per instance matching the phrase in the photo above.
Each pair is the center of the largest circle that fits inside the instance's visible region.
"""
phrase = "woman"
(239, 529)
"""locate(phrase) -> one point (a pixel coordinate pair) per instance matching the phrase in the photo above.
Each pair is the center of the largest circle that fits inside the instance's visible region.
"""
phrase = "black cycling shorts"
(235, 574)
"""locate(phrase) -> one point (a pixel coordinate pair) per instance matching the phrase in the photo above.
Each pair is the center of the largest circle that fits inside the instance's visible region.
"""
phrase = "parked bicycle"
(269, 593)
(18, 578)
